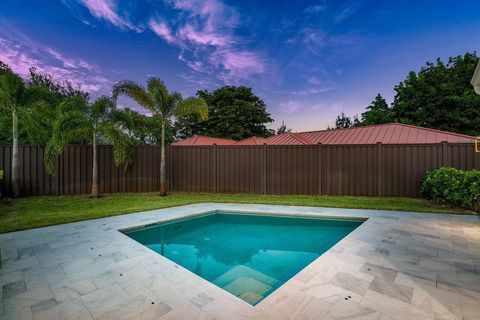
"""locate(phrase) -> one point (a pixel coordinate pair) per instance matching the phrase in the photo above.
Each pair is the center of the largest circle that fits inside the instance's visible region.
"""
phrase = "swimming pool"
(248, 255)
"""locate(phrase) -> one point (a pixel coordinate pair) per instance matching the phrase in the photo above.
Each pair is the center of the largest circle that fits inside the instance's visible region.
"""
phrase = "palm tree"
(77, 119)
(20, 99)
(163, 104)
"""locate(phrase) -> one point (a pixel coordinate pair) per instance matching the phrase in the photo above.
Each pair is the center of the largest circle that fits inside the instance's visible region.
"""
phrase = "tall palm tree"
(77, 119)
(163, 104)
(20, 99)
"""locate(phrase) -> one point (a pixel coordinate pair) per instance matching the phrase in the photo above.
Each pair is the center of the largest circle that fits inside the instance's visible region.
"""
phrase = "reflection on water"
(249, 256)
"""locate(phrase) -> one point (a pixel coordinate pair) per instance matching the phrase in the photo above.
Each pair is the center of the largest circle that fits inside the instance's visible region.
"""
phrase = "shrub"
(453, 186)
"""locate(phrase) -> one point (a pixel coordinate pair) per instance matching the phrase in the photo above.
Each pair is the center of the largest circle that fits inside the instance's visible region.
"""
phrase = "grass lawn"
(32, 212)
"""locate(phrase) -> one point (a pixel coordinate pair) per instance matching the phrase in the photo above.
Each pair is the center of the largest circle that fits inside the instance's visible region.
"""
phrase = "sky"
(308, 60)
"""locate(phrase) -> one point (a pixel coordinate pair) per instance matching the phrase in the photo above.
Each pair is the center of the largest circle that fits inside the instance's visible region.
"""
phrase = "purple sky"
(308, 60)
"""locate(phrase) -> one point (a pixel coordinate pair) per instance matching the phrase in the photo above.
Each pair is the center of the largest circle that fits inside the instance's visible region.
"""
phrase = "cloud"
(203, 30)
(162, 30)
(102, 10)
(21, 56)
(315, 9)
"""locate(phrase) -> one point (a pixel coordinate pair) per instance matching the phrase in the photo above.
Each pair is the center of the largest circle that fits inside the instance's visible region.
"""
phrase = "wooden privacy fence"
(370, 170)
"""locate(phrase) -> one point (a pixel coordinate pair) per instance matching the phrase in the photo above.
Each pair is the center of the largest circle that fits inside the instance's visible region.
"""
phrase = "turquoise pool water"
(247, 255)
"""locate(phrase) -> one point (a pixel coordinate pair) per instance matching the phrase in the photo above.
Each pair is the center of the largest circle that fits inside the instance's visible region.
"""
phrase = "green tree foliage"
(343, 121)
(19, 100)
(378, 112)
(35, 124)
(164, 106)
(234, 113)
(76, 118)
(283, 128)
(143, 129)
(440, 96)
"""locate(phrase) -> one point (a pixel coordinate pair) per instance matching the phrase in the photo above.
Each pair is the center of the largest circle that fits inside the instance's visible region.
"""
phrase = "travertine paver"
(394, 266)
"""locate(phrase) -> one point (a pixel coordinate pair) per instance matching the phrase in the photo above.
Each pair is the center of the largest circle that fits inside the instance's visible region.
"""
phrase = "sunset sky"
(308, 60)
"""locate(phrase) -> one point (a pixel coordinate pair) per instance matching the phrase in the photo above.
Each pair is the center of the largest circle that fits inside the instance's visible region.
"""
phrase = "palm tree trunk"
(95, 193)
(163, 187)
(15, 163)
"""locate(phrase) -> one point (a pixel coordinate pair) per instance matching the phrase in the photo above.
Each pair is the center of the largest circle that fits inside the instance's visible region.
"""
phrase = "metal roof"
(203, 141)
(251, 141)
(391, 133)
(287, 138)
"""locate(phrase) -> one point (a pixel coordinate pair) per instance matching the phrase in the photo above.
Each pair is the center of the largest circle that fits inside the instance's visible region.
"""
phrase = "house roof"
(287, 138)
(390, 133)
(203, 141)
(251, 141)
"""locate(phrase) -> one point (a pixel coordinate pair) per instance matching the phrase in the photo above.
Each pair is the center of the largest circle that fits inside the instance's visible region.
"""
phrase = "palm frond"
(68, 127)
(158, 91)
(123, 145)
(12, 90)
(37, 121)
(101, 108)
(73, 104)
(192, 106)
(134, 91)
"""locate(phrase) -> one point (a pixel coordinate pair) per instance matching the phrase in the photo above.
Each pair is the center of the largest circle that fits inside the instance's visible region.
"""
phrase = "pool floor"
(247, 255)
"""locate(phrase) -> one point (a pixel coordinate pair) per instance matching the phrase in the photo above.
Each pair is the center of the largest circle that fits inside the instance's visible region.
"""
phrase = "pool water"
(247, 255)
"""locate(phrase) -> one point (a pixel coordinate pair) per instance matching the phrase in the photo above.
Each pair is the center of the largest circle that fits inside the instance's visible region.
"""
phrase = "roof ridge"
(392, 124)
(300, 138)
(435, 130)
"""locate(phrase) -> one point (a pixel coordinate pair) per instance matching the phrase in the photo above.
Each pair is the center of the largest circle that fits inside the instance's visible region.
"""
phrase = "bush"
(453, 186)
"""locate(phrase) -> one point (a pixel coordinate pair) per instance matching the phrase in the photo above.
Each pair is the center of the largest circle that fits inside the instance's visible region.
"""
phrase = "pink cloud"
(20, 57)
(203, 37)
(239, 64)
(162, 30)
(106, 9)
(207, 40)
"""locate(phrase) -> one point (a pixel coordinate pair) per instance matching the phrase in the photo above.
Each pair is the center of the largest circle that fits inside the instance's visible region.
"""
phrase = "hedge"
(453, 186)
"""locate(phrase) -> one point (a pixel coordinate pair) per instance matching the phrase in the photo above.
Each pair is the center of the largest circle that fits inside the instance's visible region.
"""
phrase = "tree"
(440, 96)
(283, 128)
(18, 99)
(234, 113)
(163, 105)
(378, 112)
(76, 118)
(343, 121)
(143, 129)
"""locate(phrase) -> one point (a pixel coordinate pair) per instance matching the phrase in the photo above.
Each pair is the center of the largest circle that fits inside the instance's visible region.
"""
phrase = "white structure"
(476, 79)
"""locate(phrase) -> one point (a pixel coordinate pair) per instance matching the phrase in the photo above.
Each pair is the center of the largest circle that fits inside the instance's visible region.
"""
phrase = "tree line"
(40, 111)
(55, 115)
(439, 96)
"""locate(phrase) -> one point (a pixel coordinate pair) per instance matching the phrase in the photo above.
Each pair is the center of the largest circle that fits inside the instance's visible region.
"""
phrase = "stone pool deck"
(396, 265)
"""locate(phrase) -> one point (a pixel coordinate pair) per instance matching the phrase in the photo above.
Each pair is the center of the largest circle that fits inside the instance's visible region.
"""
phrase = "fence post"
(444, 154)
(319, 168)
(379, 169)
(215, 167)
(265, 168)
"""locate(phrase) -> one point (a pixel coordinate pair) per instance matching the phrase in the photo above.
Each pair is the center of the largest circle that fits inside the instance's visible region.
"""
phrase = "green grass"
(32, 212)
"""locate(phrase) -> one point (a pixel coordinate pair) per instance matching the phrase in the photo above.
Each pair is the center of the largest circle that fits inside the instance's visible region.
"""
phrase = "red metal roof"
(287, 138)
(391, 133)
(203, 141)
(251, 141)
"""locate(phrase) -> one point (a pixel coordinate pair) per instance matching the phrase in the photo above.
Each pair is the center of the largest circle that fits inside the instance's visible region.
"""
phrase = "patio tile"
(13, 288)
(394, 266)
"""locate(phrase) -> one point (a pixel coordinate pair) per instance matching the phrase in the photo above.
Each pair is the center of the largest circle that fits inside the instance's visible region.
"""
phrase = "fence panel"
(369, 170)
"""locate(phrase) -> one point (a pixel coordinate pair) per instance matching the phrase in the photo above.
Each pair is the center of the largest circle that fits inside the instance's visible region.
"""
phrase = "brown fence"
(371, 170)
